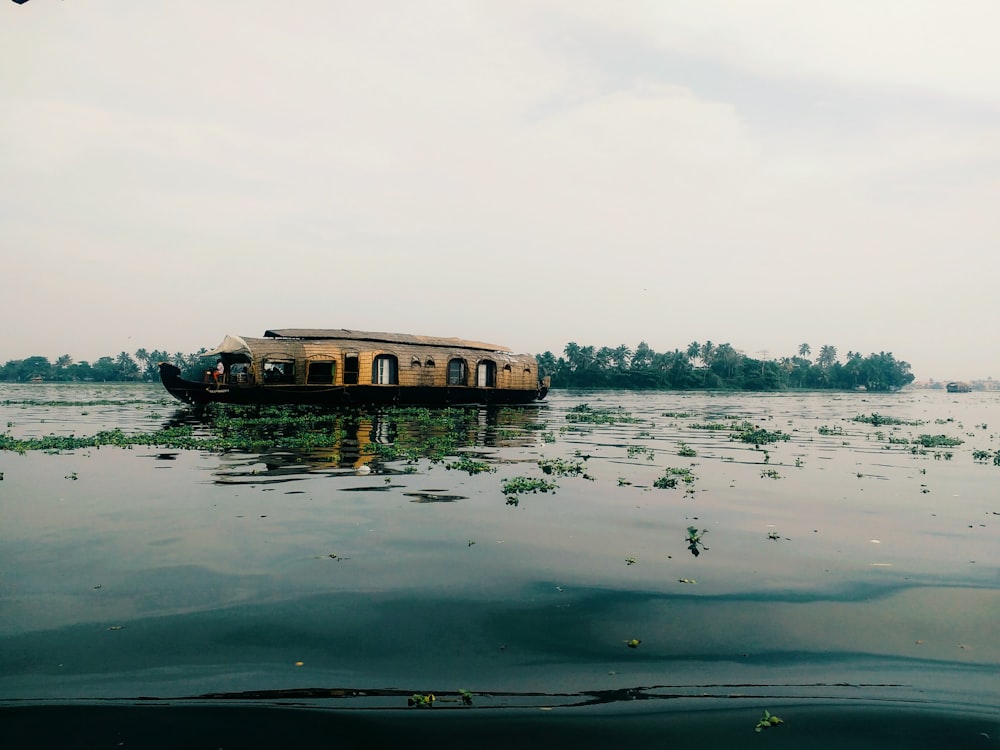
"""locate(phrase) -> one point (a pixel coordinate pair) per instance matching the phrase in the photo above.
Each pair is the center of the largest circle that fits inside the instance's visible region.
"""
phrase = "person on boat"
(219, 372)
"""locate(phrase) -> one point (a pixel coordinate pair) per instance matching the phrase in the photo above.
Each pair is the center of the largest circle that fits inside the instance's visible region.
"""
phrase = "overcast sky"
(764, 174)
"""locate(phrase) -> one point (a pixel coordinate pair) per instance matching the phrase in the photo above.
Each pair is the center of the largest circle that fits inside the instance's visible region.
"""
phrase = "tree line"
(720, 366)
(143, 365)
(708, 365)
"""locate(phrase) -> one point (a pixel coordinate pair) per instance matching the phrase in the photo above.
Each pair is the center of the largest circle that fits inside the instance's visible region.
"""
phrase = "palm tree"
(126, 366)
(621, 356)
(64, 361)
(805, 350)
(693, 350)
(827, 356)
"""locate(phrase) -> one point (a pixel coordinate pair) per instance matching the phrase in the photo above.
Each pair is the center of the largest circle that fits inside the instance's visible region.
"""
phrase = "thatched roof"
(388, 338)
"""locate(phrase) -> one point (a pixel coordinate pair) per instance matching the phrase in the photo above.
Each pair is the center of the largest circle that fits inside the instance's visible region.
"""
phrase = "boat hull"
(192, 392)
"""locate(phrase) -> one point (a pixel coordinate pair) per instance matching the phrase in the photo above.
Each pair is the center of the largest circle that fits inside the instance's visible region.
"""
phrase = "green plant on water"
(695, 545)
(770, 474)
(686, 451)
(938, 441)
(766, 721)
(828, 430)
(877, 420)
(548, 437)
(748, 433)
(671, 475)
(514, 486)
(630, 561)
(562, 468)
(471, 465)
(798, 462)
(584, 413)
(421, 700)
(465, 696)
(622, 482)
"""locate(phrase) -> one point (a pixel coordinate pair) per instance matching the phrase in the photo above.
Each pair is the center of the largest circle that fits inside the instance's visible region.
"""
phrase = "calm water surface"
(844, 575)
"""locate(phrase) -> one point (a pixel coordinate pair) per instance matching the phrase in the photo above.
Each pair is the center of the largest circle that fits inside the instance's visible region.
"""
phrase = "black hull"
(191, 392)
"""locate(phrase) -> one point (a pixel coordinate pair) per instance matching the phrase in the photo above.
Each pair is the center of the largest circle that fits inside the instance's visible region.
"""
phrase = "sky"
(524, 172)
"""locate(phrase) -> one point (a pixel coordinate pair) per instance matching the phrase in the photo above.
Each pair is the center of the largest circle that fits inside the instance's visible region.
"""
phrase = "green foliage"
(877, 420)
(584, 413)
(720, 366)
(758, 435)
(670, 477)
(938, 441)
(562, 468)
(465, 463)
(686, 451)
(766, 721)
(695, 544)
(514, 486)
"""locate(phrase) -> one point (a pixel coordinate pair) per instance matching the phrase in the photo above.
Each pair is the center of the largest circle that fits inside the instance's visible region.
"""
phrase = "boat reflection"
(285, 443)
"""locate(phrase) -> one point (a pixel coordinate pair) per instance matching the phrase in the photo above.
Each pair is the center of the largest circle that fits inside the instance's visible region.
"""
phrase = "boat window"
(429, 362)
(351, 369)
(415, 362)
(321, 373)
(506, 367)
(456, 372)
(486, 374)
(279, 371)
(384, 370)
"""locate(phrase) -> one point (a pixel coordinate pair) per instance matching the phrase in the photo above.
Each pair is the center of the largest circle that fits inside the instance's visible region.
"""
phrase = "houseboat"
(958, 387)
(342, 367)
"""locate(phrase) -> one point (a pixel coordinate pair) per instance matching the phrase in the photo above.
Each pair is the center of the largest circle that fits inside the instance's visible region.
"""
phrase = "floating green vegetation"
(937, 441)
(825, 429)
(671, 475)
(514, 486)
(694, 540)
(170, 437)
(977, 455)
(561, 468)
(640, 450)
(770, 474)
(767, 721)
(471, 465)
(877, 420)
(749, 433)
(678, 414)
(584, 413)
(421, 700)
(166, 401)
(720, 426)
(686, 451)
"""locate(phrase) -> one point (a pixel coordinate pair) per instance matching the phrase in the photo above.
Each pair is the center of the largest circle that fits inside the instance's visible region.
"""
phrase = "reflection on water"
(376, 550)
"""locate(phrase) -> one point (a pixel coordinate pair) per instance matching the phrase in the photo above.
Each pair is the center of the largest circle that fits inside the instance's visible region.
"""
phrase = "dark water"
(846, 579)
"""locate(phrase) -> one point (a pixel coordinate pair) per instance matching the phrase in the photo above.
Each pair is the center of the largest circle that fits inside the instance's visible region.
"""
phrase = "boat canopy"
(231, 345)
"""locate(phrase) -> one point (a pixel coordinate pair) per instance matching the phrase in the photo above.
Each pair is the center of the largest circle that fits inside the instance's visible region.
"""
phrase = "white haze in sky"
(763, 174)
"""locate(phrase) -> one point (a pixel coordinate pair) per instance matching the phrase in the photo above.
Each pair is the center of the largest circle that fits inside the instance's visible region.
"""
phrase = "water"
(845, 578)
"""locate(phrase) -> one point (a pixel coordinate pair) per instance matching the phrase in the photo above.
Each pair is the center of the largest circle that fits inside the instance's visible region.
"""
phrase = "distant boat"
(37, 379)
(958, 387)
(341, 367)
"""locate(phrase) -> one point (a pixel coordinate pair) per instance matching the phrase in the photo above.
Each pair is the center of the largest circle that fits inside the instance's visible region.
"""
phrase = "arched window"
(385, 370)
(486, 374)
(457, 372)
